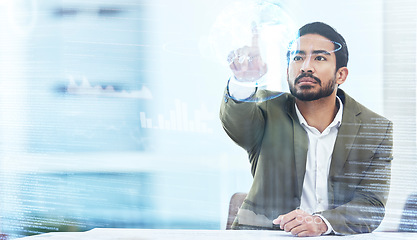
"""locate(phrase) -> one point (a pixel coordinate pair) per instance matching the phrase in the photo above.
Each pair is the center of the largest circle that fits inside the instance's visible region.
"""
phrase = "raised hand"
(246, 62)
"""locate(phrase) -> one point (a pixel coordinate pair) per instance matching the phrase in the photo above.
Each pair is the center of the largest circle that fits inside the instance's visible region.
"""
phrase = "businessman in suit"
(320, 160)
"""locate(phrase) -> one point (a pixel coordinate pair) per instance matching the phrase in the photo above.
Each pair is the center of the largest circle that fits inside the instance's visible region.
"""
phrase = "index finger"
(255, 35)
(286, 218)
(278, 220)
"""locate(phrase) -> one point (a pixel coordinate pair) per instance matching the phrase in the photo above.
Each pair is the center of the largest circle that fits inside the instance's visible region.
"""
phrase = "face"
(311, 71)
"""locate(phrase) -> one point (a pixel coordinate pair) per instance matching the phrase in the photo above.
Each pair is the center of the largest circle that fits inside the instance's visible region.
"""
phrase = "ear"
(341, 75)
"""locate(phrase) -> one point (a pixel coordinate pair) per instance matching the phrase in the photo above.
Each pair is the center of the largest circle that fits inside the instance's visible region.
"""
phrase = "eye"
(297, 58)
(320, 58)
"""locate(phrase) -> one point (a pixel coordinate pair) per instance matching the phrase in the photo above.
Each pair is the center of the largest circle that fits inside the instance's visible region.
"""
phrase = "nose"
(307, 65)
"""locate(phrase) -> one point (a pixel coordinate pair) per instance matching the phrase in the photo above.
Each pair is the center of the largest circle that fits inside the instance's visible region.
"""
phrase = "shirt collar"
(337, 121)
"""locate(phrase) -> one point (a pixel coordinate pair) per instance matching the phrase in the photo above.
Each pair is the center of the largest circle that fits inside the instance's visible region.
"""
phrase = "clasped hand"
(301, 224)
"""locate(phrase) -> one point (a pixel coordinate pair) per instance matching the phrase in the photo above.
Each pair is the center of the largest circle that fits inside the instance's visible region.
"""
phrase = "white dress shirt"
(314, 197)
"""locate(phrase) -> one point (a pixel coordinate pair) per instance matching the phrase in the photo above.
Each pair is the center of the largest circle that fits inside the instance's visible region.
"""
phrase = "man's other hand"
(301, 224)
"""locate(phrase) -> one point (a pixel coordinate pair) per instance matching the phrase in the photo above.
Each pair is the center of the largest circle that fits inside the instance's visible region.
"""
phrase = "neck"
(319, 113)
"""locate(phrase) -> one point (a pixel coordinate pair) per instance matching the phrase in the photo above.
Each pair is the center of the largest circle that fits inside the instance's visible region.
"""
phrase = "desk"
(173, 234)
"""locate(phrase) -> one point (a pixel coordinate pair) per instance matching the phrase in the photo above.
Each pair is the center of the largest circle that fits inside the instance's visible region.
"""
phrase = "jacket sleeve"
(243, 122)
(361, 192)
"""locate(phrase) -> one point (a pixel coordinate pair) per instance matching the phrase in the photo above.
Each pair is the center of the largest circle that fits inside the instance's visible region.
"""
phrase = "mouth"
(306, 80)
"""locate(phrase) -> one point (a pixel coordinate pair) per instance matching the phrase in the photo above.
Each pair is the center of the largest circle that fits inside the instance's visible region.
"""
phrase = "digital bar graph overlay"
(179, 119)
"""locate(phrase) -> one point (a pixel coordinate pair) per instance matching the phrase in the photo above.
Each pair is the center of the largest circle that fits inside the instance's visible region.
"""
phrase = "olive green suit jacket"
(276, 144)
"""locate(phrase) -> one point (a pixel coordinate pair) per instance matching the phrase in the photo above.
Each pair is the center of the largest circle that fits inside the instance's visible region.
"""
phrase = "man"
(320, 160)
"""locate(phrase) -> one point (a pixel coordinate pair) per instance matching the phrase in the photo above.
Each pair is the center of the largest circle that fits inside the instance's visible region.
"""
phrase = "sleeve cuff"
(329, 226)
(239, 93)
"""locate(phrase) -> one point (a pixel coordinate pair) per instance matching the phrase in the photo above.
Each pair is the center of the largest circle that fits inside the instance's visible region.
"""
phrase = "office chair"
(408, 222)
(235, 202)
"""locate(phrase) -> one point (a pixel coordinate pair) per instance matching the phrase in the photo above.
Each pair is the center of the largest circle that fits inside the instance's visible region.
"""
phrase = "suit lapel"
(300, 146)
(346, 136)
(300, 154)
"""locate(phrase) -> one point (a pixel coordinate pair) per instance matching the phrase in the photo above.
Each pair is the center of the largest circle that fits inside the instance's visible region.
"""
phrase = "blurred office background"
(109, 109)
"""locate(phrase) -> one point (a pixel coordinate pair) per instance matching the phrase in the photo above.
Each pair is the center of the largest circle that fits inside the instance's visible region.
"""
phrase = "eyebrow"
(314, 52)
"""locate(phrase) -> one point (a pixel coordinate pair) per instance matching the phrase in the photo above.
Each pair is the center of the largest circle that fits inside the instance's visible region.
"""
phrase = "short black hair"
(342, 55)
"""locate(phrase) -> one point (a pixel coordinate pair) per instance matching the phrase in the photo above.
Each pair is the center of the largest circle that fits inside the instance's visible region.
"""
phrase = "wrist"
(239, 92)
(329, 228)
(322, 226)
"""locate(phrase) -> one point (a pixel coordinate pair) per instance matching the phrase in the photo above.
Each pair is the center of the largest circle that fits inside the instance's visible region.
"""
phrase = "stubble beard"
(304, 93)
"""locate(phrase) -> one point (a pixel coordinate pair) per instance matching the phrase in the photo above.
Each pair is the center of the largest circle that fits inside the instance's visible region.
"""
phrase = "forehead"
(312, 42)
